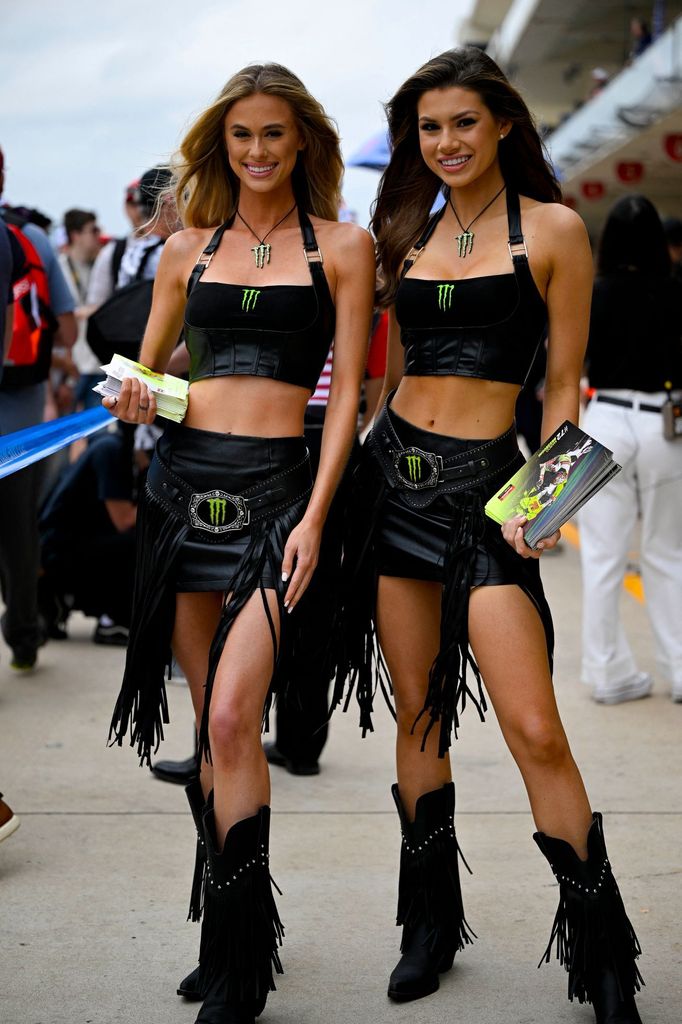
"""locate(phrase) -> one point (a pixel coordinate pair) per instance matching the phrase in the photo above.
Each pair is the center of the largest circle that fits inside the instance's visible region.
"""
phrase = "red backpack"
(30, 352)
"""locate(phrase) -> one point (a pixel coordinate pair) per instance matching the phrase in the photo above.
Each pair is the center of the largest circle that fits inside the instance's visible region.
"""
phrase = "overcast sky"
(91, 99)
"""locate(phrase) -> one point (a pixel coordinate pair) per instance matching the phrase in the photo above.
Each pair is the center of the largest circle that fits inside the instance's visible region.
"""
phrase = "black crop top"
(486, 327)
(279, 331)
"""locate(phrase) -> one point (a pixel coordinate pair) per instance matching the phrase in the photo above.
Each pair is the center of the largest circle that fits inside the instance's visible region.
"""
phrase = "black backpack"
(119, 323)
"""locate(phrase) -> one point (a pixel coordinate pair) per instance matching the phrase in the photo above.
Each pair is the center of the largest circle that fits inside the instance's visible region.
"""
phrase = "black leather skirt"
(209, 461)
(417, 512)
(216, 514)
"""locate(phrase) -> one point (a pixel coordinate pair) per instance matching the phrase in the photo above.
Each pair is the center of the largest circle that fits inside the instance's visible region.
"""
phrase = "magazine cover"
(555, 482)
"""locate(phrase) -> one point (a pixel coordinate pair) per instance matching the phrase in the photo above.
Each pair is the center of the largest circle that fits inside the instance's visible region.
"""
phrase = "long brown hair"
(408, 188)
(205, 187)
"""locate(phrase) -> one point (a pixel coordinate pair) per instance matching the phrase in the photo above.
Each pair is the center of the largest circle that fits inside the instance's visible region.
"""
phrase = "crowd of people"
(267, 304)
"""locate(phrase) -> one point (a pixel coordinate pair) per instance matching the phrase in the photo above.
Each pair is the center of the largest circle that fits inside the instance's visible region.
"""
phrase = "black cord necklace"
(465, 241)
(261, 252)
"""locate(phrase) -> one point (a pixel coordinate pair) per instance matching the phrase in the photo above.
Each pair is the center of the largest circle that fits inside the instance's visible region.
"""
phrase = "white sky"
(91, 99)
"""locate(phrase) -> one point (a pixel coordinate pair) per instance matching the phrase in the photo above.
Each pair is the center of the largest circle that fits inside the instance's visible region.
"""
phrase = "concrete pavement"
(94, 885)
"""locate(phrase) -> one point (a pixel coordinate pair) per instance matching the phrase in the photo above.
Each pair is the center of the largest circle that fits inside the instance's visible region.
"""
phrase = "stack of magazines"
(170, 392)
(555, 482)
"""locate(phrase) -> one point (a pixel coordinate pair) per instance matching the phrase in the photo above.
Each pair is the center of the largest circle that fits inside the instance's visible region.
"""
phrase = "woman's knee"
(540, 741)
(233, 729)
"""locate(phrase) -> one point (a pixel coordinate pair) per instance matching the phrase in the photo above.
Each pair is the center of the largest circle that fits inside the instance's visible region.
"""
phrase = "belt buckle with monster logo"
(218, 512)
(417, 469)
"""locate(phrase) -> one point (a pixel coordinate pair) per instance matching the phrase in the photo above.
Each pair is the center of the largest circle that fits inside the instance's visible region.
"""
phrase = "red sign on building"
(592, 189)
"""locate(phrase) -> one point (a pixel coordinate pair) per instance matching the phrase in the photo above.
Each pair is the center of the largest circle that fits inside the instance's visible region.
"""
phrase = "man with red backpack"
(43, 316)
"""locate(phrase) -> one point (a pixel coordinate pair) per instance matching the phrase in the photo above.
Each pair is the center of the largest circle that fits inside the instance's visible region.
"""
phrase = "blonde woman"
(263, 277)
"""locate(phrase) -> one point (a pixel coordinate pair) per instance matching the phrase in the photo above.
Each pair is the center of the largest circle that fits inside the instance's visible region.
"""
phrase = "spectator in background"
(600, 79)
(76, 261)
(634, 352)
(22, 405)
(11, 262)
(672, 227)
(87, 531)
(641, 38)
(121, 261)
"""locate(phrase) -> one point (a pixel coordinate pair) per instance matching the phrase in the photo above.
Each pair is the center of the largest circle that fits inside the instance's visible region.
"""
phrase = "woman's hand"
(135, 404)
(302, 548)
(512, 531)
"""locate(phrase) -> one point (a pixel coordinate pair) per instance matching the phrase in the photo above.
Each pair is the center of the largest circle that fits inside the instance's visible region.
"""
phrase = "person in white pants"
(634, 359)
(649, 486)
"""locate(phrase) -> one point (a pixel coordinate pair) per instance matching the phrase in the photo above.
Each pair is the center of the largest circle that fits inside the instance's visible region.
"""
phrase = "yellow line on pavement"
(632, 581)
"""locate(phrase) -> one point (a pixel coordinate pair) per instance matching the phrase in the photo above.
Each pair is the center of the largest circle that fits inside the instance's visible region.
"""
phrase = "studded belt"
(218, 511)
(422, 475)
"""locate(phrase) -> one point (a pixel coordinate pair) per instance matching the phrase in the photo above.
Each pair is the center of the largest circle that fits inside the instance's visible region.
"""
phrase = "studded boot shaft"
(241, 930)
(594, 939)
(430, 907)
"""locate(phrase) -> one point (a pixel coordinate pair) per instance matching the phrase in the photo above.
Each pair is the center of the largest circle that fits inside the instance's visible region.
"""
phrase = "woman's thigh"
(196, 620)
(408, 620)
(247, 664)
(509, 644)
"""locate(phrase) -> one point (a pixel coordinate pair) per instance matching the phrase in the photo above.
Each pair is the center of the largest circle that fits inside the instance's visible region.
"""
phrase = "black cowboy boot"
(429, 895)
(594, 938)
(241, 930)
(189, 986)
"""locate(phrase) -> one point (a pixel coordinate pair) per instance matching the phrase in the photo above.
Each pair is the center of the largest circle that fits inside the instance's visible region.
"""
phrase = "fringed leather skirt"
(215, 515)
(417, 511)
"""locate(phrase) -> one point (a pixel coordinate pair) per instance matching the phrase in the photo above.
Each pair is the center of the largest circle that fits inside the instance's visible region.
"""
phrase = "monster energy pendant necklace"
(261, 252)
(465, 241)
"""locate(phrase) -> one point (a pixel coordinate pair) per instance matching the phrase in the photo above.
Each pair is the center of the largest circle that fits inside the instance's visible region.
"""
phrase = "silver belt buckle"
(218, 512)
(417, 469)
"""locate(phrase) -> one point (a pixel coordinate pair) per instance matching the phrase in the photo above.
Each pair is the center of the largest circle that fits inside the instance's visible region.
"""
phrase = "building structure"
(612, 120)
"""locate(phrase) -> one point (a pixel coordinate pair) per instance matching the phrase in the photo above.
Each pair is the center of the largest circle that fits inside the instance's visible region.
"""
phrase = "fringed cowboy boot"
(430, 906)
(189, 986)
(594, 938)
(241, 930)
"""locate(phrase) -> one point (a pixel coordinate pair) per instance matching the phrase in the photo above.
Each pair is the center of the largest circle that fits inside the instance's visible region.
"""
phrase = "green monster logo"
(249, 299)
(445, 296)
(217, 508)
(414, 467)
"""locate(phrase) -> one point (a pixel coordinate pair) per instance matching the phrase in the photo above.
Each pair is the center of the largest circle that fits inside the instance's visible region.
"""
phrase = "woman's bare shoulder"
(341, 238)
(188, 242)
(552, 220)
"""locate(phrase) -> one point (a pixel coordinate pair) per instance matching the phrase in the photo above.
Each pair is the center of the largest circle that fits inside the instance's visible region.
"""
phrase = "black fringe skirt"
(178, 552)
(417, 511)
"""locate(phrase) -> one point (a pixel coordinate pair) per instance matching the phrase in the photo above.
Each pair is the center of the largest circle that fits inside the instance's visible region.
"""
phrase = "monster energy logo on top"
(445, 296)
(249, 299)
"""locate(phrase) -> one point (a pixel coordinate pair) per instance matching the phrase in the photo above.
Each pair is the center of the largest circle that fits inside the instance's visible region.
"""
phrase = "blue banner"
(26, 446)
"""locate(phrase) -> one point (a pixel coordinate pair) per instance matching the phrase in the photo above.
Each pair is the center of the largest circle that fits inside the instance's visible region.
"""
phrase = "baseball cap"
(150, 184)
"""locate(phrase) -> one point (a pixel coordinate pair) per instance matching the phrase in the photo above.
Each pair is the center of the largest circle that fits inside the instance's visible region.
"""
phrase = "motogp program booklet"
(555, 482)
(170, 392)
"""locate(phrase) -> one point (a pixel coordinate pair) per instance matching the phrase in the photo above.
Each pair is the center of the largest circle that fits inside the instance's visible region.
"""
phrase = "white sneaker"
(637, 686)
(9, 822)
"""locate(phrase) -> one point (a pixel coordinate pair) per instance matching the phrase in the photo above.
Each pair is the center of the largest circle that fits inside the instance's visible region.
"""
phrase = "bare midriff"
(248, 406)
(465, 407)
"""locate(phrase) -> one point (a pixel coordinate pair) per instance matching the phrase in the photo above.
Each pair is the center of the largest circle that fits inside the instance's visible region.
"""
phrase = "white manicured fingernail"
(285, 577)
(286, 604)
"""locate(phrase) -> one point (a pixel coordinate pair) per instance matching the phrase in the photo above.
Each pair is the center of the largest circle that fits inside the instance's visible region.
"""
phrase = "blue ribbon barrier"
(23, 447)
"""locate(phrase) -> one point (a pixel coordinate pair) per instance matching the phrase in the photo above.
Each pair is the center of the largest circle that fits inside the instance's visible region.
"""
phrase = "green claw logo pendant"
(249, 299)
(465, 243)
(414, 468)
(217, 507)
(261, 254)
(445, 296)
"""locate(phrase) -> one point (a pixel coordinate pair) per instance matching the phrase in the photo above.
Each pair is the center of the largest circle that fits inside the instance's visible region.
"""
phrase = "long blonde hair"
(205, 187)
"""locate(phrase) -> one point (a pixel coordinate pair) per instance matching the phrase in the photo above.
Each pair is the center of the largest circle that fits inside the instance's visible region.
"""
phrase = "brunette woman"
(263, 277)
(472, 292)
